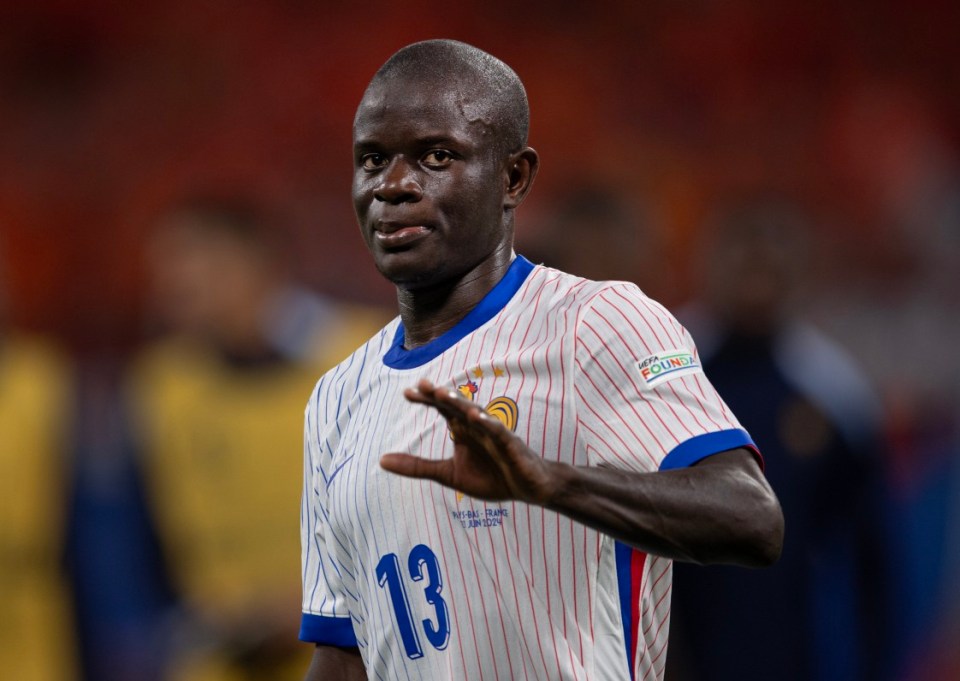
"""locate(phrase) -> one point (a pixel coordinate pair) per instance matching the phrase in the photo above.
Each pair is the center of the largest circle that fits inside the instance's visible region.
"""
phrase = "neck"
(428, 313)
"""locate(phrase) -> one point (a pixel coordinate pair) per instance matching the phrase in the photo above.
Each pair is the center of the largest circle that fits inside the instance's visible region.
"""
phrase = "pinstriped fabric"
(619, 330)
(435, 585)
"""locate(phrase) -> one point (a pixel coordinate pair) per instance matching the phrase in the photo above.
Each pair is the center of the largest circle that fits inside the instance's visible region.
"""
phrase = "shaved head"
(492, 91)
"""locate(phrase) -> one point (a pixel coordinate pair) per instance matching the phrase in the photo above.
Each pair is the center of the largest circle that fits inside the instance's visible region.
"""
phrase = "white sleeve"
(325, 616)
(643, 401)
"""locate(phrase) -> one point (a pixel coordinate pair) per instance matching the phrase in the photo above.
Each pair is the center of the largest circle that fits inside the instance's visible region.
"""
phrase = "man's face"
(428, 183)
(204, 282)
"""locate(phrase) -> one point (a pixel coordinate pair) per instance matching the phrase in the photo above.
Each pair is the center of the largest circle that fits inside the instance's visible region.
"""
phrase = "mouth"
(392, 236)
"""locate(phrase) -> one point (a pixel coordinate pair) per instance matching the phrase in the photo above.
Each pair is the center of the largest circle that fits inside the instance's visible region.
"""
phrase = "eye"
(438, 158)
(373, 161)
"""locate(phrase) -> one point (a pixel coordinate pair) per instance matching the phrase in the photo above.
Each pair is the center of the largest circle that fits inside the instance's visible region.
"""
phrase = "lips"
(392, 237)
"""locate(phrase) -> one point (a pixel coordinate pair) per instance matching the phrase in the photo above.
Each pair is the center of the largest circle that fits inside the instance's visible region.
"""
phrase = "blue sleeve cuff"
(700, 447)
(332, 631)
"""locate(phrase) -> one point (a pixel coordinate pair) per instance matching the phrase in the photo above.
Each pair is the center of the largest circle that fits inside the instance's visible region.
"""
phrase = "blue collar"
(398, 357)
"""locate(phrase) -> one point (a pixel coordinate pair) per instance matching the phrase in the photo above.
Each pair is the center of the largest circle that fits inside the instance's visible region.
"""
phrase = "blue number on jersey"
(388, 572)
(421, 556)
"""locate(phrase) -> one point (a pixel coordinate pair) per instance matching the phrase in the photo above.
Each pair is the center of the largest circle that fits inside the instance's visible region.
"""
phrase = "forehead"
(404, 107)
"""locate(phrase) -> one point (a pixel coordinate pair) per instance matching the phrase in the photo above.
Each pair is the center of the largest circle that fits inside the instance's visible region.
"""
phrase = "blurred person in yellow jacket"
(35, 391)
(218, 408)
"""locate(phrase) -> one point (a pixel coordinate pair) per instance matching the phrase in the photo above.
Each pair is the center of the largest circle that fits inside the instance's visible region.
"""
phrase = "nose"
(399, 183)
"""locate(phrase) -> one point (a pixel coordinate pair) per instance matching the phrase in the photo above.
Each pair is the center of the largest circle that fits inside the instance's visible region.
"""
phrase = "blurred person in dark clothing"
(820, 613)
(35, 403)
(218, 404)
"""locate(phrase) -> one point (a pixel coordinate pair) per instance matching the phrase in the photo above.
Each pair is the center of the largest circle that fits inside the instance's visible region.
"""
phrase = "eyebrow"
(425, 141)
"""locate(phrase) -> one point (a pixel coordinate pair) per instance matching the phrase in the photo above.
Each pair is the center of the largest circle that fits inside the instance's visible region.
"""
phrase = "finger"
(490, 426)
(451, 410)
(424, 388)
(453, 400)
(414, 395)
(450, 402)
(411, 466)
(426, 392)
(464, 421)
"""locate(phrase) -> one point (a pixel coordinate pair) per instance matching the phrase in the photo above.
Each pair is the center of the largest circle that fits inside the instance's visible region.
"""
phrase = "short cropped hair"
(454, 61)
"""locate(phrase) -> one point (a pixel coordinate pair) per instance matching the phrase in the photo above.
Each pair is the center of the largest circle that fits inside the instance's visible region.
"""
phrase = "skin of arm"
(721, 510)
(330, 662)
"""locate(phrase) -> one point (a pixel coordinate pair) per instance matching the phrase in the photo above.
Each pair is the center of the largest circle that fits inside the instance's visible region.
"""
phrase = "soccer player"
(496, 484)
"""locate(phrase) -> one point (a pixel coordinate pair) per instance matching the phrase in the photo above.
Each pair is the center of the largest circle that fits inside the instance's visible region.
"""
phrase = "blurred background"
(179, 261)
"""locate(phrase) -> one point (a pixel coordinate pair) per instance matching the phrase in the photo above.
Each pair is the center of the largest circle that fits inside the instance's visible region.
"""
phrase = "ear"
(521, 170)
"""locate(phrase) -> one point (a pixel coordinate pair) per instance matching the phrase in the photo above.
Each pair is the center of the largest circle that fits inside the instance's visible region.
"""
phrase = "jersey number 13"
(421, 564)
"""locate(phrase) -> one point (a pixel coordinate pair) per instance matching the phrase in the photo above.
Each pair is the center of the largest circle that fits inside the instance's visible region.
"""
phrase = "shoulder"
(562, 289)
(364, 361)
(601, 312)
(34, 370)
(611, 306)
(339, 391)
(33, 355)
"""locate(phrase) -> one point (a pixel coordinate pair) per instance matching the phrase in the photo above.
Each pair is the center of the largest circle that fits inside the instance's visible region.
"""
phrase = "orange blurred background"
(110, 110)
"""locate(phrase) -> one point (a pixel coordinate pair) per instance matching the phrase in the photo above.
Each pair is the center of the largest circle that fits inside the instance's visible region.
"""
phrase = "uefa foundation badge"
(667, 365)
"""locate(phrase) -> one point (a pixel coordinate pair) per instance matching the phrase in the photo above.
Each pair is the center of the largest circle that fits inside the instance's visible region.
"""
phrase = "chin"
(409, 275)
(415, 282)
(413, 276)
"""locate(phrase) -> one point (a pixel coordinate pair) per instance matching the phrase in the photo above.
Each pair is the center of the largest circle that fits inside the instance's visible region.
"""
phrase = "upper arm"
(743, 462)
(643, 401)
(331, 662)
(736, 480)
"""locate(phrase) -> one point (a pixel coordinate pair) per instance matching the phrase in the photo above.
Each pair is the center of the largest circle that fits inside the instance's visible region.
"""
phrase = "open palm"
(489, 461)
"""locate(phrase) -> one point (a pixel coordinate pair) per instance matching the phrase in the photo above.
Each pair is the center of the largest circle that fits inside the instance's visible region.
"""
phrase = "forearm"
(719, 511)
(330, 662)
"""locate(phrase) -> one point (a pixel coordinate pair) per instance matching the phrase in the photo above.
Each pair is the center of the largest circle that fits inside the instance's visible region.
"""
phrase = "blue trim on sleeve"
(398, 357)
(333, 631)
(701, 446)
(624, 557)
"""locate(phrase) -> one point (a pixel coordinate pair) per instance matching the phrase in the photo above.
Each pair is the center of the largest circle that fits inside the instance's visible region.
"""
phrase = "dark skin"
(331, 662)
(435, 203)
(702, 514)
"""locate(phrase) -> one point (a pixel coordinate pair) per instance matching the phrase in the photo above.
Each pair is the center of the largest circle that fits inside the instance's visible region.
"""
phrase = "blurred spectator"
(36, 643)
(938, 658)
(945, 664)
(119, 587)
(898, 308)
(820, 612)
(219, 416)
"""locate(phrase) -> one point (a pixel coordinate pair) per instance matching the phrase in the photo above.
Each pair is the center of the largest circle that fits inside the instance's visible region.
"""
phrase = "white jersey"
(431, 584)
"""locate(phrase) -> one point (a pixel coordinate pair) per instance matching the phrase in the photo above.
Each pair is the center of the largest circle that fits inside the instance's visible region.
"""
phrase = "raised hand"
(489, 461)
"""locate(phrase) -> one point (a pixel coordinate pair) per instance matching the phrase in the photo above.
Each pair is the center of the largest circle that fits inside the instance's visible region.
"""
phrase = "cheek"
(474, 196)
(483, 209)
(360, 201)
(361, 208)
